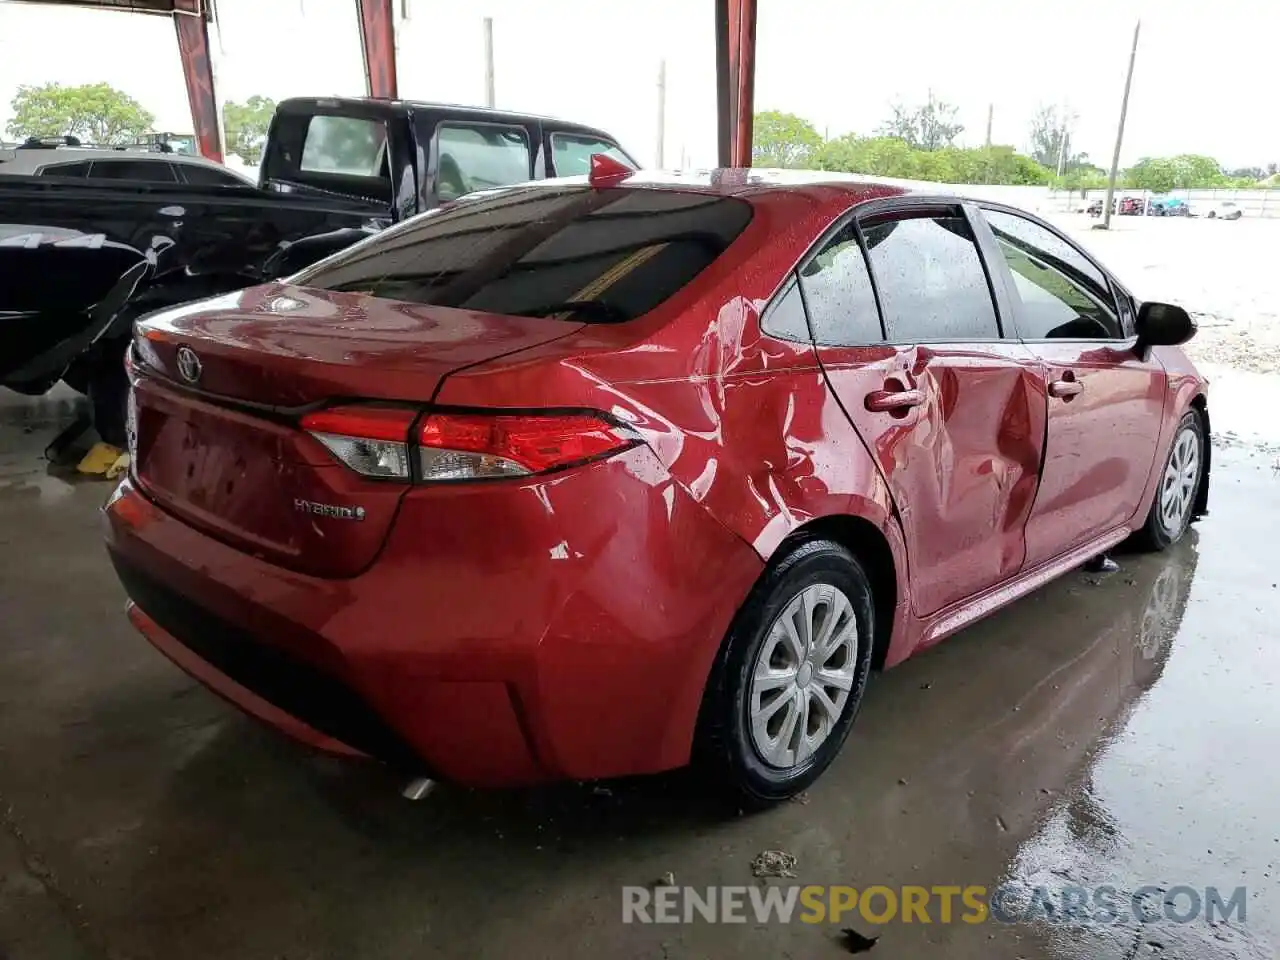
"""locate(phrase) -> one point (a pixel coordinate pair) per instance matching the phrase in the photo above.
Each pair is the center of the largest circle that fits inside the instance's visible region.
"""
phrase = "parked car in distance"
(1224, 210)
(334, 170)
(1168, 207)
(65, 158)
(586, 479)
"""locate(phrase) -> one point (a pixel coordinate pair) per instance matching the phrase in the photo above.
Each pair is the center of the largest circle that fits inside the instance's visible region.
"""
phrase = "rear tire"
(790, 676)
(1179, 487)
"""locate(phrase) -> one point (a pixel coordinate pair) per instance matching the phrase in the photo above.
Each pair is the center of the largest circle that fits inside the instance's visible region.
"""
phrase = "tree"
(1051, 138)
(783, 140)
(93, 112)
(930, 126)
(1157, 174)
(246, 126)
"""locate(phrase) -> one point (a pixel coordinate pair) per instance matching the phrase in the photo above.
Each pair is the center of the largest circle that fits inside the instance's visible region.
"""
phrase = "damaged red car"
(598, 477)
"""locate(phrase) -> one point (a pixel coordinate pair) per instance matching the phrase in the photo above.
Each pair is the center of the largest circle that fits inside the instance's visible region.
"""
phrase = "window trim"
(458, 122)
(1127, 334)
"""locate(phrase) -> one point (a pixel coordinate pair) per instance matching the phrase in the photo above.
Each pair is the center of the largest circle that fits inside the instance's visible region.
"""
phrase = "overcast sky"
(1205, 81)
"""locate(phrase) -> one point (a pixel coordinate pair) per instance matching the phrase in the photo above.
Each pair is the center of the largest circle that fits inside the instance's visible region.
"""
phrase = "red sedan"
(591, 478)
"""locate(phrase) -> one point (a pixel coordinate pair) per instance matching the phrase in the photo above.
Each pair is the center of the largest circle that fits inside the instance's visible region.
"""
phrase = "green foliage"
(893, 157)
(1185, 171)
(94, 112)
(246, 126)
(930, 126)
(783, 140)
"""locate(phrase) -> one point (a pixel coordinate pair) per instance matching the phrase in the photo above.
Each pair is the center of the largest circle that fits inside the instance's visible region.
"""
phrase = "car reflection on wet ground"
(1113, 730)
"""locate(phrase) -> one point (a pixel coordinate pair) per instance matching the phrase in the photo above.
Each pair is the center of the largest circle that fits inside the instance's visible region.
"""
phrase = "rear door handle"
(1065, 388)
(884, 401)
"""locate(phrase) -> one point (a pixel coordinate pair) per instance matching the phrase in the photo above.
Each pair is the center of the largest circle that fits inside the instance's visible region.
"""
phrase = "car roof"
(848, 188)
(311, 103)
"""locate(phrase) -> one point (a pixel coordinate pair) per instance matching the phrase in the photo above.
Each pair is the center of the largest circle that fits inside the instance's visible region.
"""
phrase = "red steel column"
(735, 80)
(191, 22)
(378, 46)
(745, 79)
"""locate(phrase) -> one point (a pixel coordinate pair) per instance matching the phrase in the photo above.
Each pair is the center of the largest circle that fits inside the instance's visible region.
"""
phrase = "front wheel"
(790, 676)
(1175, 498)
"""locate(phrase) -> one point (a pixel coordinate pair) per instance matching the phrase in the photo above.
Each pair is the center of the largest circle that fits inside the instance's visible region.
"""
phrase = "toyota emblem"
(188, 364)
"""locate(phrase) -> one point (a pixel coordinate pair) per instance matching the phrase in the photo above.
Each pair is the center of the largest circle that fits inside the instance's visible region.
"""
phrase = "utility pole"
(662, 113)
(991, 112)
(1124, 110)
(489, 99)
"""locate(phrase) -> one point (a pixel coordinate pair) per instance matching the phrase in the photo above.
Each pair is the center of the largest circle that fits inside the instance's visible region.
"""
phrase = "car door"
(1106, 400)
(953, 413)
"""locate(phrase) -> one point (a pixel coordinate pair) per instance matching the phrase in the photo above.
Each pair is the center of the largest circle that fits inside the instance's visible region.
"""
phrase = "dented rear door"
(953, 413)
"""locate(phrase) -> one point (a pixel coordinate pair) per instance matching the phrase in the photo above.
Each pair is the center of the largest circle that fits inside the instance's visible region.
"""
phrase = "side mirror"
(1163, 325)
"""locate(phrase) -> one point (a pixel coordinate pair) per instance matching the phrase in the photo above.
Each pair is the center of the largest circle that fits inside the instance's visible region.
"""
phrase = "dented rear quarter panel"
(742, 421)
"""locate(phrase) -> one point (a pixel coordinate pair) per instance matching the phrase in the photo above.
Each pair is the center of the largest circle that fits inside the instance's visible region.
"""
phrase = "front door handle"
(1066, 389)
(886, 401)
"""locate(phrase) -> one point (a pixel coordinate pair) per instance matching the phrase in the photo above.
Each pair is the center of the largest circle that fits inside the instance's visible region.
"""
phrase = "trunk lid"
(218, 443)
(284, 346)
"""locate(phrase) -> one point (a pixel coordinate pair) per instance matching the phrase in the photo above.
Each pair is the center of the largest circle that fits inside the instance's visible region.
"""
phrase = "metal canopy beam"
(378, 47)
(191, 23)
(735, 25)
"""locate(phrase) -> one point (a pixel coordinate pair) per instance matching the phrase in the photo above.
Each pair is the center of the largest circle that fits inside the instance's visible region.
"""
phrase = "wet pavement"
(1116, 730)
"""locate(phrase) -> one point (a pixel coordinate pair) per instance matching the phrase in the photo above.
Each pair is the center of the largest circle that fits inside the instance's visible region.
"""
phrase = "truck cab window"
(571, 153)
(480, 156)
(347, 146)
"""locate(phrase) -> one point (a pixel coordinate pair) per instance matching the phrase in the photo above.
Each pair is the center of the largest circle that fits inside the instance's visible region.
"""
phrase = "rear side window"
(139, 171)
(480, 156)
(78, 170)
(785, 318)
(931, 281)
(1062, 295)
(348, 146)
(838, 292)
(571, 153)
(572, 253)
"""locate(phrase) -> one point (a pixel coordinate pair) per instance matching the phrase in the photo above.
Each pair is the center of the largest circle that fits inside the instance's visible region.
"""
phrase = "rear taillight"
(447, 446)
(470, 446)
(372, 441)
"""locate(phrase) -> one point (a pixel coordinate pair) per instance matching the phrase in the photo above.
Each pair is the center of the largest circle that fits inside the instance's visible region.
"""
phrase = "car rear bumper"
(505, 635)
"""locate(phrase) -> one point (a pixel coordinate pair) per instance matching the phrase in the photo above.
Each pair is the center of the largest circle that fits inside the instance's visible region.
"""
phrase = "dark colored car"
(578, 480)
(334, 171)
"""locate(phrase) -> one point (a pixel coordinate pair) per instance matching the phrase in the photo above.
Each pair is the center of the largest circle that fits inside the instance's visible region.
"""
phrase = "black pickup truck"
(84, 251)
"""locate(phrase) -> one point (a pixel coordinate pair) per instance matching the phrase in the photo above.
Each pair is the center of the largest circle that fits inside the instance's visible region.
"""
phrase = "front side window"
(931, 280)
(566, 252)
(838, 292)
(1062, 295)
(571, 153)
(346, 146)
(480, 156)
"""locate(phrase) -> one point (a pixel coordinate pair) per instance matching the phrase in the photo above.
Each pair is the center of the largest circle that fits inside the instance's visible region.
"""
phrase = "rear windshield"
(602, 256)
